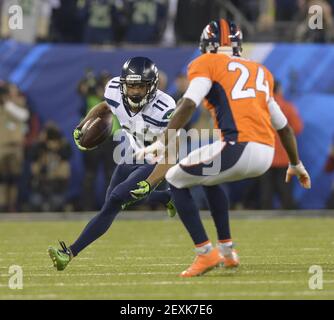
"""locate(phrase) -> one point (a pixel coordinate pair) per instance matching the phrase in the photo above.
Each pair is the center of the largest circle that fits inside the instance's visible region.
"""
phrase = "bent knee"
(113, 200)
(170, 176)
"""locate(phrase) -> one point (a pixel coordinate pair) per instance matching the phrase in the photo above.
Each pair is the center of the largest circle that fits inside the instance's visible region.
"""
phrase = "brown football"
(95, 131)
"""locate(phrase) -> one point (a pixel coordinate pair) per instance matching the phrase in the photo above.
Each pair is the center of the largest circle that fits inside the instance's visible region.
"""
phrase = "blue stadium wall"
(49, 75)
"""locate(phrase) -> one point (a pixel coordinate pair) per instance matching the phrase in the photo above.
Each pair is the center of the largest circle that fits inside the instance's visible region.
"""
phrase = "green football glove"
(143, 191)
(76, 136)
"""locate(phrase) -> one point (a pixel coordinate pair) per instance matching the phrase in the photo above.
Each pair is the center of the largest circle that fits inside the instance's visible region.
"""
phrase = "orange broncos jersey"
(238, 99)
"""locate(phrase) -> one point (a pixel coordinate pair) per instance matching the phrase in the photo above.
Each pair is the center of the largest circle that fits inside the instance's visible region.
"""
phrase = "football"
(95, 131)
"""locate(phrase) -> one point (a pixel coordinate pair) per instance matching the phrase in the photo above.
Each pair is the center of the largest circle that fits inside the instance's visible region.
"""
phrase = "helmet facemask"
(138, 101)
(236, 39)
(209, 41)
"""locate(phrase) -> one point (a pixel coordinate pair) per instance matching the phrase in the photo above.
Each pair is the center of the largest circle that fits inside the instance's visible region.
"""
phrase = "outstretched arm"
(184, 111)
(197, 90)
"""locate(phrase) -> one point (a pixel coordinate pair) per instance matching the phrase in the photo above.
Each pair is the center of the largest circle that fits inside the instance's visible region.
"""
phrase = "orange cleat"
(230, 260)
(203, 263)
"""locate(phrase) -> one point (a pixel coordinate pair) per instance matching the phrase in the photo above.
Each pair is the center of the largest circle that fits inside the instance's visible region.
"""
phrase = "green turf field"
(142, 259)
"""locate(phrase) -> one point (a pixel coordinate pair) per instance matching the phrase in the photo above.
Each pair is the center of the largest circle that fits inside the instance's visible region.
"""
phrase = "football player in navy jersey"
(143, 112)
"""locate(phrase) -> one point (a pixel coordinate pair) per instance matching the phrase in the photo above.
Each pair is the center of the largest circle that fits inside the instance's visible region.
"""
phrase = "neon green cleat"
(171, 210)
(60, 258)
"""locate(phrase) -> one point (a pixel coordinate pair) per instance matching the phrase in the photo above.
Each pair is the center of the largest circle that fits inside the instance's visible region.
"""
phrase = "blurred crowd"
(34, 158)
(167, 22)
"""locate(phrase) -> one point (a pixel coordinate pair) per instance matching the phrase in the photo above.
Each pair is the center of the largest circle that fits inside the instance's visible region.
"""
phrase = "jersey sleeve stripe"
(112, 103)
(154, 121)
(115, 85)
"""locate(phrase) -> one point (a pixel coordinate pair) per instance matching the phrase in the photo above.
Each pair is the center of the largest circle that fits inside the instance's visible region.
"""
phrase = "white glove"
(153, 152)
(300, 172)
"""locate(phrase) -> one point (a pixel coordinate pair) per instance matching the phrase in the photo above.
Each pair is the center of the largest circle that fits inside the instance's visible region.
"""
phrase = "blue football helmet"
(139, 70)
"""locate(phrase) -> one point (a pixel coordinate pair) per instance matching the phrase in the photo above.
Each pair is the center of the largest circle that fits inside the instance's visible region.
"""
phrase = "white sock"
(204, 249)
(225, 248)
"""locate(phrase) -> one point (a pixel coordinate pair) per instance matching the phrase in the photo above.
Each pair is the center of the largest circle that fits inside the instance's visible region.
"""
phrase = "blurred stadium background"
(55, 69)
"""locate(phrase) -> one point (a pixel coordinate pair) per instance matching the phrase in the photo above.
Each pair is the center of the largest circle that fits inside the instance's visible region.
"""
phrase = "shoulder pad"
(112, 92)
(114, 83)
(163, 102)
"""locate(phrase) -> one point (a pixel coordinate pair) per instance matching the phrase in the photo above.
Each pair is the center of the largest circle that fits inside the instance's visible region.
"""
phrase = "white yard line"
(104, 274)
(28, 296)
(180, 282)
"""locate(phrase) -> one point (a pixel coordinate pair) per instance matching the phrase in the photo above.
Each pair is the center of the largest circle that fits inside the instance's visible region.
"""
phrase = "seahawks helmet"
(221, 33)
(139, 70)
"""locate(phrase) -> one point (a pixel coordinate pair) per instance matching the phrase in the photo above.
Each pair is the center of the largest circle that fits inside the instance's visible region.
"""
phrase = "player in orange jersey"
(239, 95)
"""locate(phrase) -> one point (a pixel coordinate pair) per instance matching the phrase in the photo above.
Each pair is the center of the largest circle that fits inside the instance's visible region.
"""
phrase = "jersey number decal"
(239, 91)
(160, 105)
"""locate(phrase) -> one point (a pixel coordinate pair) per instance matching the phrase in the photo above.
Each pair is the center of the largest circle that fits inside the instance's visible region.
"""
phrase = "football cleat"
(171, 210)
(203, 263)
(230, 258)
(60, 257)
